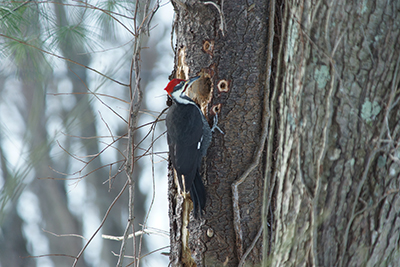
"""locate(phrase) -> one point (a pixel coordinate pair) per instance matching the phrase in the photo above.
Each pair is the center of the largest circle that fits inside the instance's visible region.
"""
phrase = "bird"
(189, 136)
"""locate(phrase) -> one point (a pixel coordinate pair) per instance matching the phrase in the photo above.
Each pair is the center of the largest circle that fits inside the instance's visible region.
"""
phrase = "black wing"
(184, 133)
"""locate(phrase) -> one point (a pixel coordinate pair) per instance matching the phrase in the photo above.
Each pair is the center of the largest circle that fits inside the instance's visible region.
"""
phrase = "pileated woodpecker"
(189, 137)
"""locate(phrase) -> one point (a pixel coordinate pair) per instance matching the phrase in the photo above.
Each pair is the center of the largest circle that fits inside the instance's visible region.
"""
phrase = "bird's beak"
(189, 82)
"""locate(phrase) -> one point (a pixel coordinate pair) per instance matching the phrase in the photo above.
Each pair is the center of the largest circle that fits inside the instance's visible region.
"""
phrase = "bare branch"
(64, 235)
(250, 248)
(243, 177)
(64, 58)
(221, 14)
(148, 231)
(136, 97)
(101, 224)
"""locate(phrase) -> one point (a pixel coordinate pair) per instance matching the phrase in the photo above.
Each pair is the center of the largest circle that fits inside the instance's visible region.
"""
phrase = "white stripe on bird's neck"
(180, 97)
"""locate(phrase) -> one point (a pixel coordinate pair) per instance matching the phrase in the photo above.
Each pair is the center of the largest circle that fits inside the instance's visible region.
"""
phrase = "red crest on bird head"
(171, 85)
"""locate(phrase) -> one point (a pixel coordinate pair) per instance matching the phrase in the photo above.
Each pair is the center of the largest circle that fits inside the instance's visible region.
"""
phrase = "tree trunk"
(227, 42)
(332, 157)
(335, 121)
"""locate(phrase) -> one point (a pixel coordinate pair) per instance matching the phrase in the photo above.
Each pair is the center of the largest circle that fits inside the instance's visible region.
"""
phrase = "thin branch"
(151, 252)
(243, 177)
(151, 128)
(135, 90)
(250, 248)
(389, 105)
(113, 147)
(106, 124)
(93, 137)
(64, 58)
(131, 257)
(101, 224)
(90, 93)
(154, 186)
(15, 9)
(109, 13)
(101, 101)
(85, 5)
(64, 235)
(80, 176)
(221, 14)
(50, 255)
(88, 162)
(268, 189)
(120, 169)
(355, 214)
(260, 149)
(69, 154)
(148, 231)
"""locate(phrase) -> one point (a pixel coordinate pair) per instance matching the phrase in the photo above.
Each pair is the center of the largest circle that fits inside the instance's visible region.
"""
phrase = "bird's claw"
(215, 124)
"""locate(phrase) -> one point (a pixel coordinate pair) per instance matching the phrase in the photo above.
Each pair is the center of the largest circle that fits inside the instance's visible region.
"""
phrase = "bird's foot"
(215, 124)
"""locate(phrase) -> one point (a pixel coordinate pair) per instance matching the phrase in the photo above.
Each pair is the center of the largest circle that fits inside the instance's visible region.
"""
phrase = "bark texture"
(336, 107)
(226, 42)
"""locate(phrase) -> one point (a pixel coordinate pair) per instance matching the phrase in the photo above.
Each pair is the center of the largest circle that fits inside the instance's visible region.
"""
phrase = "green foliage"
(70, 35)
(20, 37)
(25, 52)
(12, 18)
(105, 19)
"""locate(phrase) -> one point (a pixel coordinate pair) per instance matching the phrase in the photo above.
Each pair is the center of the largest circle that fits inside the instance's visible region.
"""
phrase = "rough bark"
(336, 195)
(227, 43)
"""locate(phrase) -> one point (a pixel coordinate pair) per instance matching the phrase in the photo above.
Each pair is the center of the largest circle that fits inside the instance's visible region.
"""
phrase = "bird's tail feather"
(198, 194)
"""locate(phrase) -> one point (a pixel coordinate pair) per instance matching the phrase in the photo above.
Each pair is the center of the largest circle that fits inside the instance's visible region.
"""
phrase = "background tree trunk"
(335, 182)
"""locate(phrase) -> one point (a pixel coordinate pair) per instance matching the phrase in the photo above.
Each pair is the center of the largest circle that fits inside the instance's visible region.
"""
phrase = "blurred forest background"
(66, 76)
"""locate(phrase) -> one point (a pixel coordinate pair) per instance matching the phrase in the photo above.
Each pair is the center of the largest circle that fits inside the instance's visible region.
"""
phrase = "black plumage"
(187, 145)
